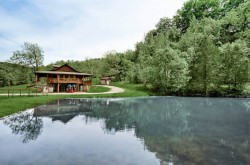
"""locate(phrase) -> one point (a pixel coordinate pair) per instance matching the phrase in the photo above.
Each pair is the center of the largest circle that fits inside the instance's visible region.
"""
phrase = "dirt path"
(113, 90)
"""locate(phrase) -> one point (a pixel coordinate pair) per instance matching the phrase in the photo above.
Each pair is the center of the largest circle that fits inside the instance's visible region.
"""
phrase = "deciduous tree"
(31, 55)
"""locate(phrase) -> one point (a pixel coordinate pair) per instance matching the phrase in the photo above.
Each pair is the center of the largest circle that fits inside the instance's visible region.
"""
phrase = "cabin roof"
(58, 68)
(64, 69)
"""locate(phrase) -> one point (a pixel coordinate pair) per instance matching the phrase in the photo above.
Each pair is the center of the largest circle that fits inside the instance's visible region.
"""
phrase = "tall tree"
(199, 42)
(31, 55)
(235, 65)
(115, 65)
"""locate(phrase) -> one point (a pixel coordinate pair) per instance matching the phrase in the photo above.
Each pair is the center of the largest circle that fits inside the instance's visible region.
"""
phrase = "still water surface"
(131, 131)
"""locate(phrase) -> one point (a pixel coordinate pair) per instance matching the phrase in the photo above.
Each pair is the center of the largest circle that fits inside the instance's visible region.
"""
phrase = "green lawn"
(98, 89)
(15, 104)
(17, 89)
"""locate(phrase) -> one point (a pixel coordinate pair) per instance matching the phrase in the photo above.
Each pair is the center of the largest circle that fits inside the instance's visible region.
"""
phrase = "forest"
(203, 50)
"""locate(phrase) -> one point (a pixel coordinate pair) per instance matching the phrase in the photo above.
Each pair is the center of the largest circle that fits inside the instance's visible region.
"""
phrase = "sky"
(79, 29)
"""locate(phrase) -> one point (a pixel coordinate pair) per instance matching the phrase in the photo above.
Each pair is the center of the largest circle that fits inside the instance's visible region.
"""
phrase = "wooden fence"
(20, 92)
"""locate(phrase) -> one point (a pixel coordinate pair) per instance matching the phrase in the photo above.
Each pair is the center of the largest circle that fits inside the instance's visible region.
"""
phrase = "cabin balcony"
(67, 80)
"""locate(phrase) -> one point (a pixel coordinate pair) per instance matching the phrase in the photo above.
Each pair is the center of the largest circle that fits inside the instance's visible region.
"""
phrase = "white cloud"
(74, 30)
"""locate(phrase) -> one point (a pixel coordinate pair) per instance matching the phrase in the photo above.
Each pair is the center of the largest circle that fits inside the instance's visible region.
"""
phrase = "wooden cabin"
(65, 79)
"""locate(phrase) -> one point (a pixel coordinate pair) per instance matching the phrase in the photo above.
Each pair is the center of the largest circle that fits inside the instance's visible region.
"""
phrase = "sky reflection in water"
(153, 130)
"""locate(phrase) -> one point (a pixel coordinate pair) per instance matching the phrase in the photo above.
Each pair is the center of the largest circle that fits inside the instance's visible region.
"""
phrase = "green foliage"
(228, 5)
(14, 74)
(41, 83)
(183, 55)
(31, 55)
(235, 23)
(203, 55)
(95, 81)
(197, 9)
(116, 65)
(235, 68)
(24, 86)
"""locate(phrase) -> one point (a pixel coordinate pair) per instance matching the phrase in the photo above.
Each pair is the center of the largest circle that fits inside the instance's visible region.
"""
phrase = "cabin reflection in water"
(63, 110)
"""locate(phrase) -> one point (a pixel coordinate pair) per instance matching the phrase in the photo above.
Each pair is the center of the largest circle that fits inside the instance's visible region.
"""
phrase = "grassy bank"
(15, 104)
(98, 89)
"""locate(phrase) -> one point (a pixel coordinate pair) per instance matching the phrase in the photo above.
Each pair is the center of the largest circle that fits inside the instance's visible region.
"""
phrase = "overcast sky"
(79, 29)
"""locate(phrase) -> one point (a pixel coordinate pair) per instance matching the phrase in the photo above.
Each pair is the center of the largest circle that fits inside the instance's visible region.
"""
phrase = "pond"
(129, 131)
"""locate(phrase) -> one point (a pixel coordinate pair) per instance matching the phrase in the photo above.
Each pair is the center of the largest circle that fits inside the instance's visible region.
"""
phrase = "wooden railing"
(68, 80)
(64, 80)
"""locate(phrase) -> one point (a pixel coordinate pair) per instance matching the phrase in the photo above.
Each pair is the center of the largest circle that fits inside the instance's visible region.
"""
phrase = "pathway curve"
(113, 89)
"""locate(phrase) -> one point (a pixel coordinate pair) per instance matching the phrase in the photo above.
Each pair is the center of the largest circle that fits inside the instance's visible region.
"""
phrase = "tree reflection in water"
(157, 122)
(183, 130)
(26, 125)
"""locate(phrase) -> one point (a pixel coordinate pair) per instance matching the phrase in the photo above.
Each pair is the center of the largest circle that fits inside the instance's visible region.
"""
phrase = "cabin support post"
(58, 85)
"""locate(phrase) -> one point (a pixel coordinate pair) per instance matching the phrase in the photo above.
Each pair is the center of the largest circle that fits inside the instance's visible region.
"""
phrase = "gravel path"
(113, 90)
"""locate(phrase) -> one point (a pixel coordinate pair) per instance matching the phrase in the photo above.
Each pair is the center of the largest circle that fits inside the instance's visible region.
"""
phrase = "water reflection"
(185, 131)
(62, 110)
(26, 124)
(177, 130)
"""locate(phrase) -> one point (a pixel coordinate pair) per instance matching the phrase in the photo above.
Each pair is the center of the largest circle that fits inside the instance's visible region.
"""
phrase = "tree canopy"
(31, 55)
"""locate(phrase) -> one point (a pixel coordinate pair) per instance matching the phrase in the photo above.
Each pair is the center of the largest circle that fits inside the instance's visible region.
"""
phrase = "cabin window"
(66, 76)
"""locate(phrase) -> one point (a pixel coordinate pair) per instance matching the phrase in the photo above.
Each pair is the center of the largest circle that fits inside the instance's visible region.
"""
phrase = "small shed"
(105, 80)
